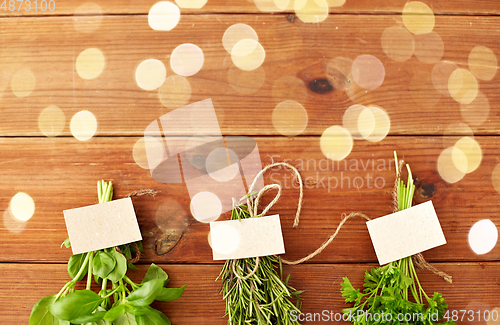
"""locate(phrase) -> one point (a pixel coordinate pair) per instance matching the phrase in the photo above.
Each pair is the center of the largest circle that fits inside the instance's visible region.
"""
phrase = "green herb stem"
(132, 284)
(89, 273)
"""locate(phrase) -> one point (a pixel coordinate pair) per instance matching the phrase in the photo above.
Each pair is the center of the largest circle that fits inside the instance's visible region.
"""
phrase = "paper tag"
(406, 233)
(102, 225)
(251, 237)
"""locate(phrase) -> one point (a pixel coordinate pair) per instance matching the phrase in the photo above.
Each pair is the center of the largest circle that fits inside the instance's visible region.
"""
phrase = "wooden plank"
(50, 46)
(69, 7)
(474, 288)
(61, 173)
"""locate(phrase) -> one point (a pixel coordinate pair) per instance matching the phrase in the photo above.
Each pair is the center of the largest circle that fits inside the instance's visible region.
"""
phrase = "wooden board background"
(60, 173)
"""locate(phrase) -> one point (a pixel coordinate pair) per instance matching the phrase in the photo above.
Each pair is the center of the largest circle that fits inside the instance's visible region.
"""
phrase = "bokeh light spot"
(186, 59)
(150, 74)
(175, 92)
(271, 5)
(248, 54)
(22, 206)
(472, 151)
(83, 125)
(51, 121)
(366, 123)
(446, 167)
(335, 3)
(459, 160)
(12, 224)
(289, 118)
(477, 112)
(429, 48)
(350, 120)
(23, 82)
(236, 33)
(463, 86)
(382, 124)
(311, 11)
(483, 236)
(155, 151)
(148, 152)
(418, 17)
(336, 143)
(222, 164)
(368, 72)
(90, 63)
(164, 16)
(398, 43)
(205, 207)
(495, 178)
(191, 4)
(483, 63)
(441, 75)
(337, 71)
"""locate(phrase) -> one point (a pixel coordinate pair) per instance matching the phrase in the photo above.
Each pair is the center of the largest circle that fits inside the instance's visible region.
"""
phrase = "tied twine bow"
(253, 204)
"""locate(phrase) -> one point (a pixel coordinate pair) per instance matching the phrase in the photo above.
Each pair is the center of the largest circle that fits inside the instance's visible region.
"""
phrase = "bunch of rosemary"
(262, 297)
(385, 298)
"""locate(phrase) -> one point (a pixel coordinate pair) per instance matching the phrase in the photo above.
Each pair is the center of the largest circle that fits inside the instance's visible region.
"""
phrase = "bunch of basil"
(124, 303)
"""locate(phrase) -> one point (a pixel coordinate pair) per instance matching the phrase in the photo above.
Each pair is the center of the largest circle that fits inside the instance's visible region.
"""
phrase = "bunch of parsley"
(385, 298)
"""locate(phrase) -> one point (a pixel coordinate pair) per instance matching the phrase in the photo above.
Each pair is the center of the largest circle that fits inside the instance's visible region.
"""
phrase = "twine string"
(418, 259)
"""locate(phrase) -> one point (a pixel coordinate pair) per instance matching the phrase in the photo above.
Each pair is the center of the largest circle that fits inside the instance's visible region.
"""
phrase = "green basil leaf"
(162, 315)
(40, 314)
(103, 264)
(86, 302)
(120, 267)
(152, 318)
(97, 279)
(155, 272)
(138, 310)
(66, 243)
(146, 294)
(126, 251)
(99, 322)
(75, 263)
(169, 294)
(132, 266)
(97, 316)
(139, 244)
(125, 319)
(114, 312)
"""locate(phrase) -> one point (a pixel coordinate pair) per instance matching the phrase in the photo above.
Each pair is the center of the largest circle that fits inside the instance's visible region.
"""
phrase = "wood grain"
(68, 7)
(50, 46)
(61, 173)
(474, 288)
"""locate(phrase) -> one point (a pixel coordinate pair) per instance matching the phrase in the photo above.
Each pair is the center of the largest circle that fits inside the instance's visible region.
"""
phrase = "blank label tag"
(102, 225)
(251, 237)
(406, 233)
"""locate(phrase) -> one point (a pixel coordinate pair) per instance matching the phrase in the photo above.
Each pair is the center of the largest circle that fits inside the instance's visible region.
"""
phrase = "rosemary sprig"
(262, 298)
